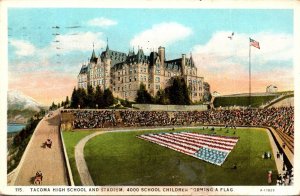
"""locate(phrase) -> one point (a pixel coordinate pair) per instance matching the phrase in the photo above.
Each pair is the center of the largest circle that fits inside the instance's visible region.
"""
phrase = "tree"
(143, 96)
(81, 98)
(99, 97)
(108, 98)
(53, 106)
(161, 97)
(90, 97)
(185, 92)
(74, 98)
(67, 102)
(178, 92)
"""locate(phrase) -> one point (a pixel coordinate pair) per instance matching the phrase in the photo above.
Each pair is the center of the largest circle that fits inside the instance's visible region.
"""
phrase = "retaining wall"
(154, 107)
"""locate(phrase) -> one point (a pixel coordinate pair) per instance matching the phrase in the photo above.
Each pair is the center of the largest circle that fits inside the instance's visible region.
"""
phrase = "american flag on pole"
(254, 43)
(211, 148)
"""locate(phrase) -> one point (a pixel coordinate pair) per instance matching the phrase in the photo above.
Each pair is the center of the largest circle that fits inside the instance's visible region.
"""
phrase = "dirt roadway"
(49, 161)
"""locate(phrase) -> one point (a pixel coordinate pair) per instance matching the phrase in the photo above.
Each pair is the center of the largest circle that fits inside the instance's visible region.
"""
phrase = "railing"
(66, 159)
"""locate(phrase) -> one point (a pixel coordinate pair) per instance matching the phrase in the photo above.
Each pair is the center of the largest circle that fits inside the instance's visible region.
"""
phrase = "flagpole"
(249, 74)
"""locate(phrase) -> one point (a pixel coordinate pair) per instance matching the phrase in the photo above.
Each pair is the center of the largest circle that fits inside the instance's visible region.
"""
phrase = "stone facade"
(123, 73)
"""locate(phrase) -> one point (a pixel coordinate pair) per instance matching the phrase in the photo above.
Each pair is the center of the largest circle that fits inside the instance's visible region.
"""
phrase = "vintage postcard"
(149, 98)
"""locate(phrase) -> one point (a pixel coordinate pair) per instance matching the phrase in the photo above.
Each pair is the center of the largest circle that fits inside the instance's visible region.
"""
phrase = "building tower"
(161, 54)
(183, 68)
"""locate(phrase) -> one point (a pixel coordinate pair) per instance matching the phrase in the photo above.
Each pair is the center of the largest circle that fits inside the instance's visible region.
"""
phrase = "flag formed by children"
(211, 148)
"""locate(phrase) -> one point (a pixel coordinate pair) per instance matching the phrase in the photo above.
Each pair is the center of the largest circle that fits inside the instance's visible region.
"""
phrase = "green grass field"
(120, 158)
(256, 101)
(71, 139)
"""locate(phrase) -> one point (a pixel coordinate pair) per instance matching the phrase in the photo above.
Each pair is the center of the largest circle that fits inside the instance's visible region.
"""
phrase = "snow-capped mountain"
(16, 100)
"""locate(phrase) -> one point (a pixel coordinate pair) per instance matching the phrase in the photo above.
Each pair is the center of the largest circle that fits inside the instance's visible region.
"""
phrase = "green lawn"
(71, 139)
(123, 159)
(256, 101)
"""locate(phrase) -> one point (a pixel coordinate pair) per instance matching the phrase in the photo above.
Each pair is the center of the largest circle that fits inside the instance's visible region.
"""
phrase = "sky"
(47, 46)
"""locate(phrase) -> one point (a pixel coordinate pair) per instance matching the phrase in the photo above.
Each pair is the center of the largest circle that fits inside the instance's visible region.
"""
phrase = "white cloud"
(23, 48)
(162, 34)
(224, 62)
(102, 22)
(77, 42)
(220, 50)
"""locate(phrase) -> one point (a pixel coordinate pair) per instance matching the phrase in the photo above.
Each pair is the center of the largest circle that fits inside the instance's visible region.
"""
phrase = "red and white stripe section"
(189, 143)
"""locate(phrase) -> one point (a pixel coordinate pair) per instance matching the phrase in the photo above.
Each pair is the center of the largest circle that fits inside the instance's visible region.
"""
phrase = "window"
(130, 79)
(157, 79)
(134, 78)
(129, 86)
(157, 87)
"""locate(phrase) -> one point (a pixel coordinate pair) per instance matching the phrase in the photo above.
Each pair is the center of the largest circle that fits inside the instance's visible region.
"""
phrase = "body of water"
(13, 128)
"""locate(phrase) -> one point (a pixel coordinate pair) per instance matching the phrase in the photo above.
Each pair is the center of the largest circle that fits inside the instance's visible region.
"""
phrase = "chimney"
(161, 54)
(183, 60)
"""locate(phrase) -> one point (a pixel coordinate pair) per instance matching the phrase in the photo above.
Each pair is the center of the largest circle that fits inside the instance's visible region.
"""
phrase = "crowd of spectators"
(282, 119)
(144, 118)
(286, 178)
(87, 119)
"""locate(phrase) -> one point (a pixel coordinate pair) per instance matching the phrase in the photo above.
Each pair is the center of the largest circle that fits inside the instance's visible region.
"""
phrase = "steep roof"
(93, 57)
(140, 57)
(174, 64)
(115, 56)
(83, 69)
(119, 58)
